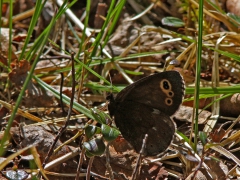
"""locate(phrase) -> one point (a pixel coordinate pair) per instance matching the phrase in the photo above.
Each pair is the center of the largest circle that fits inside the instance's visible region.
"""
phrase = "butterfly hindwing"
(134, 120)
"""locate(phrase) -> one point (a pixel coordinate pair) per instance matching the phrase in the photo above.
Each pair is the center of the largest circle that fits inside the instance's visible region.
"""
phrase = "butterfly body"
(145, 107)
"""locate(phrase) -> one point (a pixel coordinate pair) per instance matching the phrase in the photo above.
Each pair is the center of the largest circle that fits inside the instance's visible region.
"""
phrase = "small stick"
(56, 57)
(80, 163)
(68, 116)
(141, 154)
(61, 89)
(88, 175)
(109, 168)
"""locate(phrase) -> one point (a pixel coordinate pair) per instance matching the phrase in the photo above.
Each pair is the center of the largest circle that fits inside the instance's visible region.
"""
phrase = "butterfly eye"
(170, 94)
(168, 101)
(166, 85)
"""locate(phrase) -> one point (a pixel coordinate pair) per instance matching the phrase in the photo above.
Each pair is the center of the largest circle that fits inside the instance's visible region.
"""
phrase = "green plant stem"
(198, 71)
(116, 16)
(1, 3)
(100, 34)
(38, 10)
(40, 47)
(10, 33)
(85, 27)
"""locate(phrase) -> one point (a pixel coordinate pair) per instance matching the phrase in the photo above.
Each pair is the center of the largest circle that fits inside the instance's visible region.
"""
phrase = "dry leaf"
(19, 72)
(185, 114)
(35, 135)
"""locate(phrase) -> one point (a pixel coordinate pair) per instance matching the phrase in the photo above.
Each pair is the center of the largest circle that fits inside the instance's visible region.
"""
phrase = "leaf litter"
(208, 161)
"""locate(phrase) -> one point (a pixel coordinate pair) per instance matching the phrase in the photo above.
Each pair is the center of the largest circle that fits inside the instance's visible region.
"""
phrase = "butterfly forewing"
(163, 91)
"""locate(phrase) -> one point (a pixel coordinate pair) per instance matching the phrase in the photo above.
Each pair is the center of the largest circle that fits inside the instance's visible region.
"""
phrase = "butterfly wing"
(144, 107)
(163, 91)
(134, 120)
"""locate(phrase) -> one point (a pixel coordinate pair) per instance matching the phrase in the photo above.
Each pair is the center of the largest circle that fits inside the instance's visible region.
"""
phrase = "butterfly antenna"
(166, 63)
(110, 94)
(110, 79)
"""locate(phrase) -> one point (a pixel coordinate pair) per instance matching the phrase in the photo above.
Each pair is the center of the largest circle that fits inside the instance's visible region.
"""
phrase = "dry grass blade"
(226, 153)
(11, 157)
(38, 161)
(231, 139)
(21, 112)
(199, 39)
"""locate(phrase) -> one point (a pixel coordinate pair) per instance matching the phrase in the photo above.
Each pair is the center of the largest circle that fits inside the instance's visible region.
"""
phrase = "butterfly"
(145, 107)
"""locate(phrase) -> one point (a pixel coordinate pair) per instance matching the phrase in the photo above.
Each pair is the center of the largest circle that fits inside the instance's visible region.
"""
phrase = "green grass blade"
(85, 27)
(27, 80)
(198, 71)
(100, 34)
(38, 10)
(66, 99)
(115, 16)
